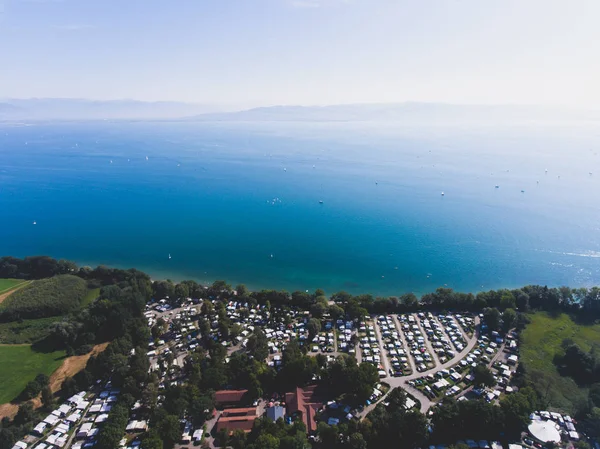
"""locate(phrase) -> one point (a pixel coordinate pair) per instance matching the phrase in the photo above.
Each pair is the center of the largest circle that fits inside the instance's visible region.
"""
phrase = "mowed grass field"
(19, 364)
(541, 341)
(7, 285)
(91, 296)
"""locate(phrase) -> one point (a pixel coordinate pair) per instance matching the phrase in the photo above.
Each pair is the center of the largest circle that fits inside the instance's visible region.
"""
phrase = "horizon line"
(301, 105)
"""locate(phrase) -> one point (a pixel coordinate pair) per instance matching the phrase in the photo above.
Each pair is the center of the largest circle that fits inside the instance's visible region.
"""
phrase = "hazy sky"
(263, 52)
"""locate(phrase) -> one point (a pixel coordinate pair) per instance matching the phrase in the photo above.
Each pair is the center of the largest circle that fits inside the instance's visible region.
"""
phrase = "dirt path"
(72, 365)
(9, 410)
(5, 295)
(69, 367)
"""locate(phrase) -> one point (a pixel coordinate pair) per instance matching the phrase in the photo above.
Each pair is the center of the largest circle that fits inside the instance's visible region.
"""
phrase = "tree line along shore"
(70, 309)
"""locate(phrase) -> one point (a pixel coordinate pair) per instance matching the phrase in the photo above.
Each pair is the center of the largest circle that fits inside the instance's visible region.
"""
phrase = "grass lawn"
(540, 342)
(91, 296)
(8, 284)
(20, 365)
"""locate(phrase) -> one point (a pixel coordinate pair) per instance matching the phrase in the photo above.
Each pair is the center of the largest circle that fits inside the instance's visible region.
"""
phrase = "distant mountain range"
(75, 109)
(405, 113)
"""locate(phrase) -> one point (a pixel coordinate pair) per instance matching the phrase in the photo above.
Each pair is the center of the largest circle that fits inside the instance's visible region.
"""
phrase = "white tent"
(544, 431)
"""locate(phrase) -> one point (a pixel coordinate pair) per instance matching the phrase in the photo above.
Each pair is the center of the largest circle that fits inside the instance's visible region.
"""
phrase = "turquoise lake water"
(240, 202)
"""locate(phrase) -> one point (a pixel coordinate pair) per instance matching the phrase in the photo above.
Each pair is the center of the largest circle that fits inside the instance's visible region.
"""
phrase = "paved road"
(445, 332)
(411, 361)
(498, 355)
(426, 403)
(435, 359)
(382, 354)
(461, 329)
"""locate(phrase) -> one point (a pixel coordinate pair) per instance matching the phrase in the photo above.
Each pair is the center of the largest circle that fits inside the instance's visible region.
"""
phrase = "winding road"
(426, 403)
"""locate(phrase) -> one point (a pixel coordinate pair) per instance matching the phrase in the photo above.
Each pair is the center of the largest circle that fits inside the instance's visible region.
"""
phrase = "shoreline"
(176, 278)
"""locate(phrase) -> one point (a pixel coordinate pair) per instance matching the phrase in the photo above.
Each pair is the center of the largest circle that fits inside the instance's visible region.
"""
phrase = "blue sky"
(264, 52)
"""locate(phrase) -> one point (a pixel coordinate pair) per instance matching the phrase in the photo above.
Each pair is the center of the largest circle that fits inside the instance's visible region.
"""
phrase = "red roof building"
(229, 398)
(305, 402)
(237, 418)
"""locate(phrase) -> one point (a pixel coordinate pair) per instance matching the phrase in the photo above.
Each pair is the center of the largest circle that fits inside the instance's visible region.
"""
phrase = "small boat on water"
(522, 191)
(320, 201)
(497, 186)
(169, 255)
(146, 157)
(35, 222)
(442, 193)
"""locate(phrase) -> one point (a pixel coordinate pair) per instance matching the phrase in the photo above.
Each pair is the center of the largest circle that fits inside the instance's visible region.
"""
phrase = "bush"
(32, 389)
(83, 349)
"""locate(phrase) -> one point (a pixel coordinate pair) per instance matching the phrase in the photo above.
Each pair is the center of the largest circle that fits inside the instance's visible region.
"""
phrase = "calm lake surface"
(241, 202)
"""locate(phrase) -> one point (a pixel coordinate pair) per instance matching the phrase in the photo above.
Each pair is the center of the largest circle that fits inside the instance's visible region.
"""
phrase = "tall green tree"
(483, 377)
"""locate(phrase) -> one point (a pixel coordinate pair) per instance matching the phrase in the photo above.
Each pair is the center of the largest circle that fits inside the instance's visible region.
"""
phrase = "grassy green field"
(8, 284)
(540, 342)
(20, 365)
(91, 296)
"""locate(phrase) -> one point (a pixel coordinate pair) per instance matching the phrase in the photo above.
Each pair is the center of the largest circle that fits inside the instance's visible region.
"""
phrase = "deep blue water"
(217, 198)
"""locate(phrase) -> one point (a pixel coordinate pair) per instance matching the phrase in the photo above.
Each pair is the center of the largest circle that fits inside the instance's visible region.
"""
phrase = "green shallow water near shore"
(241, 202)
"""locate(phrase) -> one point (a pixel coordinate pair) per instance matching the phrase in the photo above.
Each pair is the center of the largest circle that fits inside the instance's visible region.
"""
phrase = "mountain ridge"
(410, 113)
(406, 112)
(77, 108)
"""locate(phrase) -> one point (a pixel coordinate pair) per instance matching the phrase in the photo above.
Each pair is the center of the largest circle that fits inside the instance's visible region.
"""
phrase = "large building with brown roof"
(229, 398)
(306, 402)
(237, 418)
